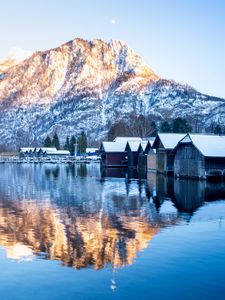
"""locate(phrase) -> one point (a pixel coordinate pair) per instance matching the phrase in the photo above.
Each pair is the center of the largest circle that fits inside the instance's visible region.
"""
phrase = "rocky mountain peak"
(73, 67)
(90, 85)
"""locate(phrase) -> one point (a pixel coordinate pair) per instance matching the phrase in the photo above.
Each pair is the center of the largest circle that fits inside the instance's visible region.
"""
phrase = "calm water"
(71, 232)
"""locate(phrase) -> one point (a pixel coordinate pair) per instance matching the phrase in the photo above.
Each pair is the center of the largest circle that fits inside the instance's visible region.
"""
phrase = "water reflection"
(73, 214)
(129, 173)
(187, 195)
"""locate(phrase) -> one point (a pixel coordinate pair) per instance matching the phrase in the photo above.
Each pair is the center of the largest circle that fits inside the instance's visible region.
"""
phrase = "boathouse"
(164, 143)
(151, 156)
(200, 156)
(42, 152)
(56, 153)
(91, 151)
(26, 152)
(151, 160)
(146, 155)
(142, 156)
(113, 154)
(132, 153)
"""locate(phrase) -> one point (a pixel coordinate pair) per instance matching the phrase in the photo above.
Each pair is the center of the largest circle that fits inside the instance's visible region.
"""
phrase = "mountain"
(90, 85)
(15, 56)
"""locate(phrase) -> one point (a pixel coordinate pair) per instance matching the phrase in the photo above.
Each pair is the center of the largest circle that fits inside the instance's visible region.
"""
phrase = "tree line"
(141, 126)
(217, 129)
(147, 126)
(178, 125)
(80, 142)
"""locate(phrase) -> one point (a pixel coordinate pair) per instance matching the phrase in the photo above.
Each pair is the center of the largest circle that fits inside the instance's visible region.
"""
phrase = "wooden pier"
(47, 160)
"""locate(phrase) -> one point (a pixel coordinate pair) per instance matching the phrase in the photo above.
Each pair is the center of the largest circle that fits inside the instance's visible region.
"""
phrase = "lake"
(78, 232)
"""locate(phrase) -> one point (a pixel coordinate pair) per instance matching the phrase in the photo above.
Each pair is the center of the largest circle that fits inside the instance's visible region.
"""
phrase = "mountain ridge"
(14, 57)
(90, 85)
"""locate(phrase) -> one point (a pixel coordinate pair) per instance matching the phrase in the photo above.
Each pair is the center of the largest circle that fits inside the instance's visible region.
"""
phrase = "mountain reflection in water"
(78, 216)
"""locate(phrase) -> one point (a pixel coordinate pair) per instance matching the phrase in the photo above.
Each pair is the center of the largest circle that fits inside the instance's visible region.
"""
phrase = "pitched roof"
(119, 144)
(48, 149)
(126, 139)
(133, 145)
(26, 149)
(170, 140)
(113, 146)
(143, 145)
(150, 139)
(208, 145)
(59, 152)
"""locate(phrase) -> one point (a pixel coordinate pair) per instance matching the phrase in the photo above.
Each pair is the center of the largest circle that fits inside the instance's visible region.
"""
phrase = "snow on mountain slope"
(89, 85)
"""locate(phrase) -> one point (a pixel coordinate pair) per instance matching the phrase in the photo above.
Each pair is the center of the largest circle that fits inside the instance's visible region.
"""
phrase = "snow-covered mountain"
(14, 57)
(90, 85)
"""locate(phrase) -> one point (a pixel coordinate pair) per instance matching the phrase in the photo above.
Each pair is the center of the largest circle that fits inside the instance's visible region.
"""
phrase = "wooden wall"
(142, 162)
(132, 158)
(151, 162)
(189, 162)
(114, 159)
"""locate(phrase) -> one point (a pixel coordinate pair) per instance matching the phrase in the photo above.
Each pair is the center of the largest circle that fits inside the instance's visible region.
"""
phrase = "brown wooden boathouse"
(200, 156)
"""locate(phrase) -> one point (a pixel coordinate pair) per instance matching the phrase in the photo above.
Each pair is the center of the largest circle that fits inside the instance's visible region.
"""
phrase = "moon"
(113, 21)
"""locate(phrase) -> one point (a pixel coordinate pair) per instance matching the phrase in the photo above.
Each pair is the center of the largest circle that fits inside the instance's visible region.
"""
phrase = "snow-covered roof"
(48, 149)
(150, 140)
(26, 149)
(133, 145)
(170, 140)
(114, 146)
(60, 152)
(208, 145)
(119, 144)
(143, 145)
(91, 150)
(126, 139)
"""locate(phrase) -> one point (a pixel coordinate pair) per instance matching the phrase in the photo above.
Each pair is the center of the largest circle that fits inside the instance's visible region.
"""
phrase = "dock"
(48, 160)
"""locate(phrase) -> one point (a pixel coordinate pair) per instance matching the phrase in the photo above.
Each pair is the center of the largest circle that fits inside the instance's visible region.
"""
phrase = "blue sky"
(180, 40)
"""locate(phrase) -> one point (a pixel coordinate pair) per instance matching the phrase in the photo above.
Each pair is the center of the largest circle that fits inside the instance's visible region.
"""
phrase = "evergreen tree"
(47, 142)
(154, 129)
(112, 133)
(165, 127)
(55, 141)
(71, 145)
(118, 129)
(82, 143)
(180, 125)
(217, 129)
(67, 144)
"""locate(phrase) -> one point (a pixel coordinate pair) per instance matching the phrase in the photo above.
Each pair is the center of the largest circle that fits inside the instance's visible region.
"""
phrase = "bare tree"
(142, 126)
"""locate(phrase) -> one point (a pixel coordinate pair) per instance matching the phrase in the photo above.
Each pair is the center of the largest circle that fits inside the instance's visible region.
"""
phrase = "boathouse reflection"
(187, 195)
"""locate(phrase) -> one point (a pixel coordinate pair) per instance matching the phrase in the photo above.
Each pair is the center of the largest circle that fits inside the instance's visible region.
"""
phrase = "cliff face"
(84, 85)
